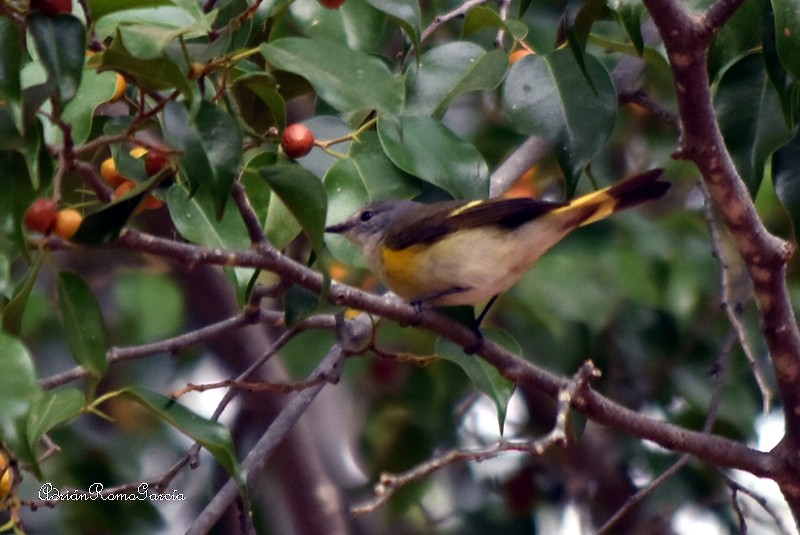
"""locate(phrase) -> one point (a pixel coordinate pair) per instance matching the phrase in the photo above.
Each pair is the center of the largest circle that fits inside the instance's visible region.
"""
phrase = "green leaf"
(14, 310)
(629, 13)
(279, 224)
(10, 60)
(346, 79)
(300, 303)
(346, 193)
(61, 45)
(482, 18)
(20, 390)
(147, 31)
(578, 23)
(737, 37)
(483, 375)
(303, 194)
(548, 96)
(211, 147)
(194, 217)
(151, 74)
(213, 436)
(83, 323)
(786, 177)
(50, 410)
(356, 23)
(787, 35)
(448, 71)
(265, 87)
(424, 147)
(95, 89)
(100, 8)
(750, 118)
(405, 12)
(381, 178)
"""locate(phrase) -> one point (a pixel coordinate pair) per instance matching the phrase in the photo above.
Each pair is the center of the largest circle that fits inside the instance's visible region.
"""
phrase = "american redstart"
(467, 252)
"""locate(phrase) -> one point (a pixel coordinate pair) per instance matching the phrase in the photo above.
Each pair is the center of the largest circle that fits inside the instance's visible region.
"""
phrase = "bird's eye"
(366, 215)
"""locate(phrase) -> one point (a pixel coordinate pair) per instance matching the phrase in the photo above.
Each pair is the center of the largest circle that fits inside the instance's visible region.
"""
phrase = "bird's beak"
(340, 228)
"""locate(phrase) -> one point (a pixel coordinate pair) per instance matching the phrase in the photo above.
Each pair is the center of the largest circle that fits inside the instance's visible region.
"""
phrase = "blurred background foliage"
(639, 294)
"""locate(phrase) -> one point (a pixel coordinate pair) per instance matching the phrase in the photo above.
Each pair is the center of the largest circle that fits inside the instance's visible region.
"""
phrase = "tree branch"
(686, 39)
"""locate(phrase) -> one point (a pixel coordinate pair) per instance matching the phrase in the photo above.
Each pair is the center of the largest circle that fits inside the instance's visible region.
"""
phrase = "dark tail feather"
(639, 189)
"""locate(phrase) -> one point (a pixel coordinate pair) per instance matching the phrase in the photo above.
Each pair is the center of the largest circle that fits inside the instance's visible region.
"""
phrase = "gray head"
(366, 227)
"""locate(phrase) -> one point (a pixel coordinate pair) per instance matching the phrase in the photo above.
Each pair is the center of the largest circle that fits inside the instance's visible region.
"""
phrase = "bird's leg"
(476, 328)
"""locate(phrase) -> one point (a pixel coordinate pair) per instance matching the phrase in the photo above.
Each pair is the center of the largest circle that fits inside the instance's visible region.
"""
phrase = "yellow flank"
(400, 270)
(603, 204)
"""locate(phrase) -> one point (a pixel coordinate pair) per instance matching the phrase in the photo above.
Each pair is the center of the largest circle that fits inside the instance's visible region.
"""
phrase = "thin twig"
(733, 307)
(460, 11)
(721, 369)
(391, 483)
(737, 487)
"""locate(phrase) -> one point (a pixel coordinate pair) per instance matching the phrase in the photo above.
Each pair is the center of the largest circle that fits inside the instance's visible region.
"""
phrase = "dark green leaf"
(265, 87)
(279, 224)
(786, 177)
(578, 22)
(152, 74)
(750, 118)
(484, 376)
(405, 12)
(356, 23)
(549, 96)
(424, 147)
(95, 89)
(100, 8)
(50, 410)
(737, 37)
(448, 71)
(300, 303)
(213, 436)
(482, 18)
(83, 323)
(346, 79)
(303, 194)
(61, 44)
(629, 13)
(381, 178)
(10, 59)
(787, 35)
(105, 225)
(210, 145)
(15, 309)
(20, 390)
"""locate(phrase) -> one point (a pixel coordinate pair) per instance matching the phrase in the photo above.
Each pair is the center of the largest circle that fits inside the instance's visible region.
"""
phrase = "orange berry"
(67, 223)
(108, 170)
(119, 88)
(124, 187)
(518, 55)
(151, 202)
(338, 271)
(6, 476)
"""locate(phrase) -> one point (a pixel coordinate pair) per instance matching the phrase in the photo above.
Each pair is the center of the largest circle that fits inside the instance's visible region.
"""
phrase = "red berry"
(331, 4)
(51, 8)
(155, 161)
(297, 140)
(41, 215)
